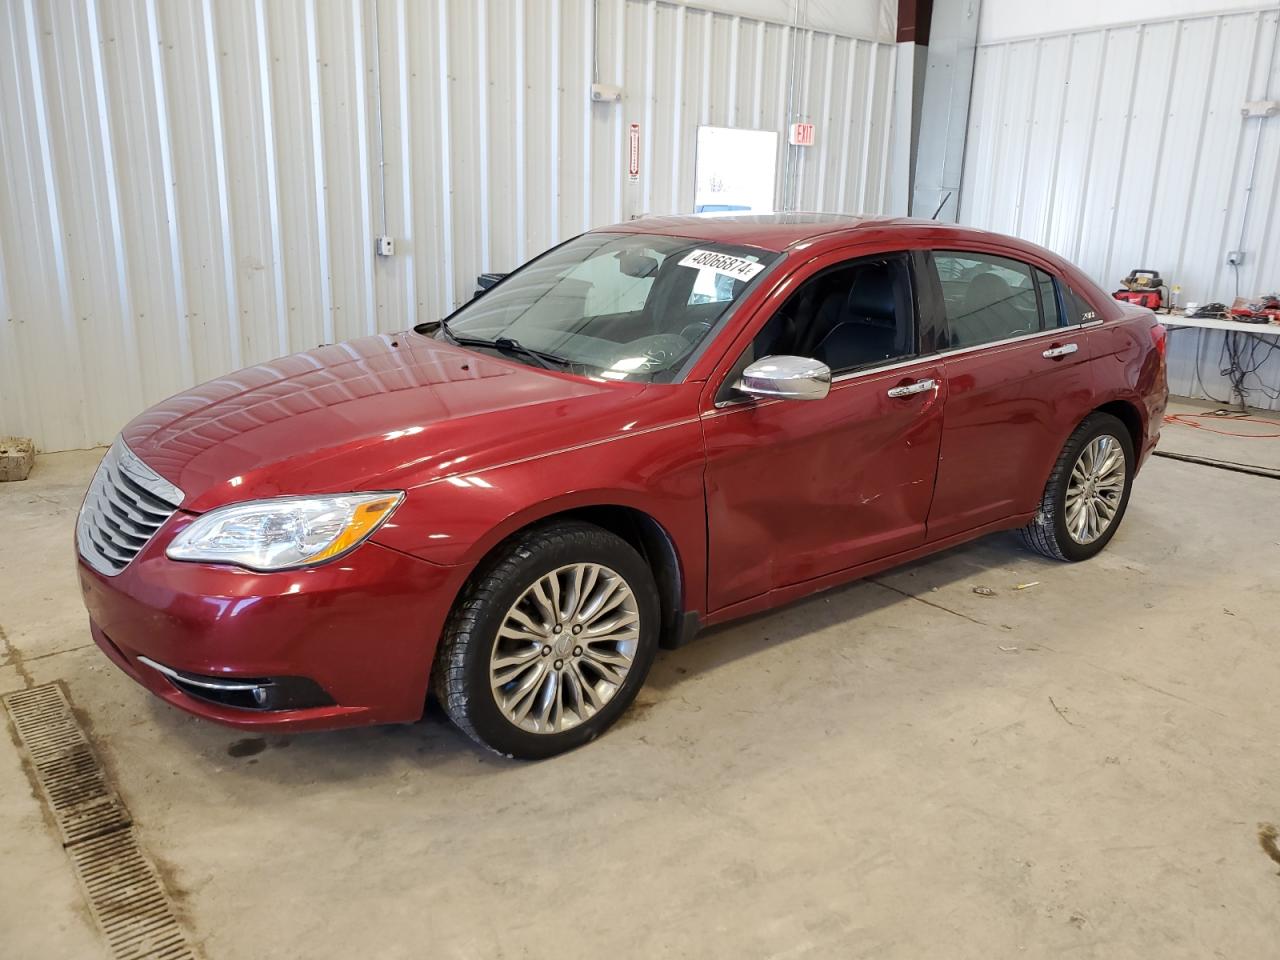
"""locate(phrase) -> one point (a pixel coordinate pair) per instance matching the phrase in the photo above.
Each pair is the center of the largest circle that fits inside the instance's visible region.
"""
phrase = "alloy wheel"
(565, 648)
(1095, 489)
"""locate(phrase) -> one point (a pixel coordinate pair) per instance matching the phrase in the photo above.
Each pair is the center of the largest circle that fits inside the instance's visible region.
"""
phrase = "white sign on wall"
(633, 153)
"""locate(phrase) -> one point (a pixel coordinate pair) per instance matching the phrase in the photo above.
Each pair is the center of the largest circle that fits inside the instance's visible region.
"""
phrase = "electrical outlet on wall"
(385, 246)
(1235, 257)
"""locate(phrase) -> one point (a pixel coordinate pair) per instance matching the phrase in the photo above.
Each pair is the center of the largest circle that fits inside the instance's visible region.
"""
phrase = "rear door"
(801, 488)
(1017, 380)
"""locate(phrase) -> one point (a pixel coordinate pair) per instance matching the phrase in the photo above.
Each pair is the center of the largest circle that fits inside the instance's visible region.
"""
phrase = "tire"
(1048, 533)
(504, 595)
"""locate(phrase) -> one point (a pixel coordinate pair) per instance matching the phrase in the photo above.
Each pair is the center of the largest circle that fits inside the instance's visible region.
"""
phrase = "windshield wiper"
(548, 361)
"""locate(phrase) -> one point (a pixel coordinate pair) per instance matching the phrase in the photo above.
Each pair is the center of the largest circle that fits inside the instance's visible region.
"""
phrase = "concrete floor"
(899, 768)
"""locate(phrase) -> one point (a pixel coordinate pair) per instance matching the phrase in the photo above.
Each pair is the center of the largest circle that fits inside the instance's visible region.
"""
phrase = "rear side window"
(1076, 309)
(986, 298)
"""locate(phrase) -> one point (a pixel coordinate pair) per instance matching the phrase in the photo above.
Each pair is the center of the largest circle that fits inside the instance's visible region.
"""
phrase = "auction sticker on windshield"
(739, 268)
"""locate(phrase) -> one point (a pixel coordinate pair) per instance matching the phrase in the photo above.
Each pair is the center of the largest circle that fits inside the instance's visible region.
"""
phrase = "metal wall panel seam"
(135, 389)
(757, 80)
(646, 132)
(731, 110)
(784, 110)
(1026, 150)
(554, 124)
(867, 125)
(800, 155)
(409, 229)
(446, 176)
(1057, 152)
(677, 109)
(828, 125)
(886, 128)
(13, 388)
(218, 124)
(482, 118)
(518, 107)
(1088, 154)
(318, 165)
(1257, 124)
(62, 280)
(1236, 156)
(589, 77)
(367, 253)
(705, 114)
(1124, 153)
(1199, 141)
(1160, 140)
(619, 68)
(186, 356)
(850, 70)
(273, 175)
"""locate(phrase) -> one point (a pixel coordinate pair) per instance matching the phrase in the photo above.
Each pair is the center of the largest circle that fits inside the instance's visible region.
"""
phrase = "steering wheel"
(661, 350)
(694, 332)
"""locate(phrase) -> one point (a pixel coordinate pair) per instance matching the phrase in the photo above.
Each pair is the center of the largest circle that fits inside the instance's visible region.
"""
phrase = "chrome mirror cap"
(786, 378)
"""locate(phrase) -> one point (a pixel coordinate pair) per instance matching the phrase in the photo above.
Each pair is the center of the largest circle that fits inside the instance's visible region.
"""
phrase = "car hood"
(382, 412)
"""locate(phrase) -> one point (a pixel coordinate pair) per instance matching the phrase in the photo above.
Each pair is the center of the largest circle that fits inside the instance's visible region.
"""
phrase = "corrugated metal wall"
(189, 188)
(1125, 147)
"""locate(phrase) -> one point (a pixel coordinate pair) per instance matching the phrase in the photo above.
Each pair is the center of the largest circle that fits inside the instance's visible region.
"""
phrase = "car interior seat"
(860, 326)
(988, 312)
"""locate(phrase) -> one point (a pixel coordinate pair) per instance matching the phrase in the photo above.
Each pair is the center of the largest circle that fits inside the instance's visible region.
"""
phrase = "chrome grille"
(126, 504)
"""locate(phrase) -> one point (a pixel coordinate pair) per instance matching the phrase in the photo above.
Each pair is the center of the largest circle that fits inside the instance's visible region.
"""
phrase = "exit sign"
(802, 135)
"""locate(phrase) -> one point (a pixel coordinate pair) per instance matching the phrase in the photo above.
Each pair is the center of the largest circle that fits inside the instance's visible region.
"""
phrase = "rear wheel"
(1087, 493)
(550, 643)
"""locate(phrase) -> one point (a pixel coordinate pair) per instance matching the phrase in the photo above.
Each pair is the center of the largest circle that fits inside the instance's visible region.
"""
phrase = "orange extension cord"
(1189, 420)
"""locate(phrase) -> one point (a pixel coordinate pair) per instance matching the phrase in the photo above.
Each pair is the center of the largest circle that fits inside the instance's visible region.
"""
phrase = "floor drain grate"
(125, 895)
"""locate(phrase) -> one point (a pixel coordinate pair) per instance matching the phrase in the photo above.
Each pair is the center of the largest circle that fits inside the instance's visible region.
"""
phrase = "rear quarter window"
(1076, 309)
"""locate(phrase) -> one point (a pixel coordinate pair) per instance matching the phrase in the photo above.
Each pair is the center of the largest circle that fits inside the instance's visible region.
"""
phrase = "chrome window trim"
(920, 358)
(1033, 335)
(883, 368)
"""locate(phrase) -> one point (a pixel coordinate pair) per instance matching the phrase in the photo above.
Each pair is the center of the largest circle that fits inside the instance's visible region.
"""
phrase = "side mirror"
(786, 378)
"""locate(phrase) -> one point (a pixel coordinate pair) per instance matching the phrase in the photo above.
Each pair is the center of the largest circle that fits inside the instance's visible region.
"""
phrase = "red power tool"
(1142, 287)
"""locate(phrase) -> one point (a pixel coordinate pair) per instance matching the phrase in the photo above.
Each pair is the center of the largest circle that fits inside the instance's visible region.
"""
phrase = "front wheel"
(1087, 493)
(550, 642)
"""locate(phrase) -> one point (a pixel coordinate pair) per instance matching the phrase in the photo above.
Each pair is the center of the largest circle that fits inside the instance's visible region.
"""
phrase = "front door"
(798, 489)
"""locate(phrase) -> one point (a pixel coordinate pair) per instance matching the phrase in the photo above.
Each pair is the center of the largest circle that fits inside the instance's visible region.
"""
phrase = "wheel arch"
(655, 544)
(1130, 415)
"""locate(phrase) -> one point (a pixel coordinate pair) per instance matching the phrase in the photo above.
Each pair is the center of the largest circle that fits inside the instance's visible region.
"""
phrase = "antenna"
(941, 205)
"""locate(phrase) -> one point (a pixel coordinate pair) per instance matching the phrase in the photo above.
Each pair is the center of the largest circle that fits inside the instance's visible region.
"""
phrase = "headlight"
(283, 533)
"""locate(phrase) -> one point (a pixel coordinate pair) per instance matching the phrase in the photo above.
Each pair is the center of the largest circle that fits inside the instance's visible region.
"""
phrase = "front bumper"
(362, 629)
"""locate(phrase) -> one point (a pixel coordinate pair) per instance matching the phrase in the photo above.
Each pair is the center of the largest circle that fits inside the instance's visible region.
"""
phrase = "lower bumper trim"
(246, 693)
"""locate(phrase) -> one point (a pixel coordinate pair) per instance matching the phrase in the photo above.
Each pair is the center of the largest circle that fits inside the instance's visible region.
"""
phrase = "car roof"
(784, 231)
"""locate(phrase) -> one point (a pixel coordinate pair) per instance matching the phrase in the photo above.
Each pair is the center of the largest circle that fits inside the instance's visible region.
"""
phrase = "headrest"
(872, 294)
(986, 290)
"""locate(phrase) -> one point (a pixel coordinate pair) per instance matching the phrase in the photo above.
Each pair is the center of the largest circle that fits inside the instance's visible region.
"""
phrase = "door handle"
(1054, 352)
(907, 389)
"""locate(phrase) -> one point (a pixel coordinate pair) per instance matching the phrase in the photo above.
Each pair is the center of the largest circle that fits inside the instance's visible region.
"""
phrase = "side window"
(987, 298)
(1076, 309)
(1049, 306)
(854, 315)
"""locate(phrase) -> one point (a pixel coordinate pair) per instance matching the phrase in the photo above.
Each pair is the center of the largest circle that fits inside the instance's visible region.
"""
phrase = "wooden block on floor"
(17, 456)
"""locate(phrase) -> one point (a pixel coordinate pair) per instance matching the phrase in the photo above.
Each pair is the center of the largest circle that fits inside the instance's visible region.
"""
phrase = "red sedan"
(648, 429)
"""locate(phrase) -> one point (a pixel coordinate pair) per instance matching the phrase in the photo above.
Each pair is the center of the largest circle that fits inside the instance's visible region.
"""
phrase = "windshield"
(615, 306)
